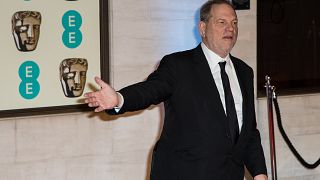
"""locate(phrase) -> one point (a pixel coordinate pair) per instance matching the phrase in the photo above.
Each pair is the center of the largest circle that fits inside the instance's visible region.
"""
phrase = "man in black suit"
(209, 129)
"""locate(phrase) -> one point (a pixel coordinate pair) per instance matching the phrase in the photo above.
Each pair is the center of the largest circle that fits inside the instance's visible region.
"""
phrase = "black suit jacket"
(194, 144)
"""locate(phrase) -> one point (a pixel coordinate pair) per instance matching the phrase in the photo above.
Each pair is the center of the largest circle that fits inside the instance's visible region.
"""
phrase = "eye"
(69, 75)
(83, 73)
(36, 27)
(22, 29)
(235, 22)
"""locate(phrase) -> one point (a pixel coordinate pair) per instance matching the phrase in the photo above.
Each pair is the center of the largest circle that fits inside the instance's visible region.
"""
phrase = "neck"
(222, 54)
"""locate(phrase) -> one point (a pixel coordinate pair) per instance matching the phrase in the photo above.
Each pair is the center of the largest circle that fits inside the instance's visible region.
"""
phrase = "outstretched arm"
(155, 89)
(105, 98)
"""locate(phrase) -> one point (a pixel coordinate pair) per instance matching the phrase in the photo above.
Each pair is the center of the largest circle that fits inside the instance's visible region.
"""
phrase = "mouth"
(76, 88)
(31, 42)
(227, 37)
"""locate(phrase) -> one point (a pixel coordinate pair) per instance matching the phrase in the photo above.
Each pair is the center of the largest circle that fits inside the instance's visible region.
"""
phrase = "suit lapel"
(242, 79)
(203, 71)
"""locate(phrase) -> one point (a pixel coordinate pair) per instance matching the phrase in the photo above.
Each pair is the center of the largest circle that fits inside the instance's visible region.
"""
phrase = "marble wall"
(86, 146)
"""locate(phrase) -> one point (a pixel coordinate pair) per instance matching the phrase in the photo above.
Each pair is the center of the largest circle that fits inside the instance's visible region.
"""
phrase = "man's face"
(26, 33)
(73, 79)
(221, 31)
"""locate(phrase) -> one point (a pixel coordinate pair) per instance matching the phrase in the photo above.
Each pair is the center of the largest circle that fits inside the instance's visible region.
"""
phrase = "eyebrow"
(224, 19)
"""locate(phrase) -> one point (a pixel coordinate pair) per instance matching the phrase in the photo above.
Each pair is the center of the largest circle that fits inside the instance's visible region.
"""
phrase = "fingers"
(93, 104)
(90, 99)
(100, 82)
(99, 109)
(89, 94)
(99, 98)
(96, 104)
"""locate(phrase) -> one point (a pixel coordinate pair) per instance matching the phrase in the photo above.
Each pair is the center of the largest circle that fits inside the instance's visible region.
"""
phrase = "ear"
(202, 28)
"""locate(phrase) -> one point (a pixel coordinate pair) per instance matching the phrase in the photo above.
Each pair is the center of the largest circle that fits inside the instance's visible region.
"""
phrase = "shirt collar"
(212, 56)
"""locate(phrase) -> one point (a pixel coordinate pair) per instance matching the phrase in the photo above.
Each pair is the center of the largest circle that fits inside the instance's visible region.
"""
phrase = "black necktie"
(230, 106)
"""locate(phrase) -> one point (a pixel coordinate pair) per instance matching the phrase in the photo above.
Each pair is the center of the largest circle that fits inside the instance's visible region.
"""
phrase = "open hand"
(105, 98)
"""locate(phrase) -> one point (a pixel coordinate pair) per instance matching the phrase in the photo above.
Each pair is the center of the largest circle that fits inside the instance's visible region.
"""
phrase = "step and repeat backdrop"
(50, 53)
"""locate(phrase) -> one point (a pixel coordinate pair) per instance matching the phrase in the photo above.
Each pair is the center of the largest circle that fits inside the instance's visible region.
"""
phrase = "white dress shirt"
(213, 60)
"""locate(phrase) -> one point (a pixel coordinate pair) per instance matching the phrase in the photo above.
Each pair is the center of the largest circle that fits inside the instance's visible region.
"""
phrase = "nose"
(230, 26)
(77, 78)
(77, 81)
(30, 32)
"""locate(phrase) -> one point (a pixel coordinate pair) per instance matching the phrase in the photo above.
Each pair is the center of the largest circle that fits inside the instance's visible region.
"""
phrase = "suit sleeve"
(155, 89)
(254, 158)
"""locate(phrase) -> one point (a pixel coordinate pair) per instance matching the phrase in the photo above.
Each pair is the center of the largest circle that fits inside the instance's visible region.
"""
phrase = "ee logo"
(29, 87)
(71, 22)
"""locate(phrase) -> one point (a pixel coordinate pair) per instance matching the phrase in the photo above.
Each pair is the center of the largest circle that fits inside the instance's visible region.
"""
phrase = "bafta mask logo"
(26, 29)
(73, 76)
